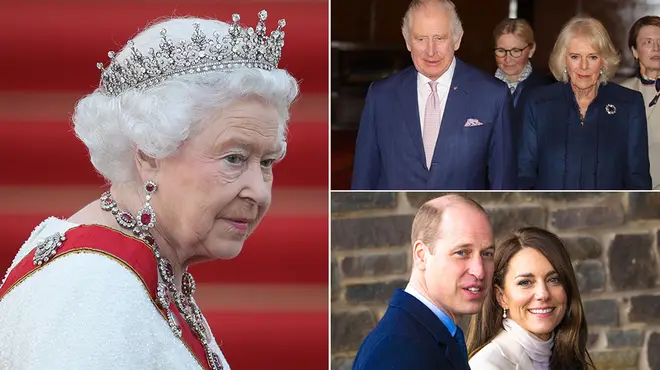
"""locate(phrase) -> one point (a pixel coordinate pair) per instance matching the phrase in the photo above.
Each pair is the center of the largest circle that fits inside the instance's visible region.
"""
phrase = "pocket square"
(471, 122)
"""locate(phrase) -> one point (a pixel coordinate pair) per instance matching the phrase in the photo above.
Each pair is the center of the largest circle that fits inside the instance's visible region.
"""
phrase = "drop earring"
(504, 314)
(146, 218)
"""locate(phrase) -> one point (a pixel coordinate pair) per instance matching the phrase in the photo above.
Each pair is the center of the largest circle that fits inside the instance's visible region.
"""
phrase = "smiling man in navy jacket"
(452, 269)
(441, 124)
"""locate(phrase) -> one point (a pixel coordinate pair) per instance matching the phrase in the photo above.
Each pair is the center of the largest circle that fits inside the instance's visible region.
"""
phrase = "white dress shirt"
(424, 90)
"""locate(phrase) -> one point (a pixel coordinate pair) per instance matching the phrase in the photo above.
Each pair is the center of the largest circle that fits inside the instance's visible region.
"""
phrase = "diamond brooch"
(610, 109)
(46, 249)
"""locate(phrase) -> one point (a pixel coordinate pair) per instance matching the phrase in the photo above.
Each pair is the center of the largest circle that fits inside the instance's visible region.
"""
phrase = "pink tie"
(431, 123)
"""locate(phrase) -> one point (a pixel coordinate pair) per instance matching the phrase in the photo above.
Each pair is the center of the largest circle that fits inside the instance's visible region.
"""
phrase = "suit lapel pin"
(455, 88)
(610, 109)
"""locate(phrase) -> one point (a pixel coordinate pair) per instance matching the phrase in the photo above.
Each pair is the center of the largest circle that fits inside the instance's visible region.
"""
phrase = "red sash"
(133, 253)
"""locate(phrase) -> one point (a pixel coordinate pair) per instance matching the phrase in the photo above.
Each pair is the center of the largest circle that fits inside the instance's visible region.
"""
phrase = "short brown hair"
(516, 26)
(426, 225)
(649, 20)
(570, 348)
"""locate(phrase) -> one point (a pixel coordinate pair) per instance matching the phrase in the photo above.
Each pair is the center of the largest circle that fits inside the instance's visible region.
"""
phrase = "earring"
(147, 217)
(601, 71)
(504, 314)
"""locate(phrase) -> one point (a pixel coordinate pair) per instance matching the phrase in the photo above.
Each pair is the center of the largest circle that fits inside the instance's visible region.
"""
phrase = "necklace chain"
(167, 290)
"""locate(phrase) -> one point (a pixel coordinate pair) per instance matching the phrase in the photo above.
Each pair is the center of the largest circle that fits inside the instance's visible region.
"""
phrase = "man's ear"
(407, 43)
(420, 251)
(146, 165)
(457, 43)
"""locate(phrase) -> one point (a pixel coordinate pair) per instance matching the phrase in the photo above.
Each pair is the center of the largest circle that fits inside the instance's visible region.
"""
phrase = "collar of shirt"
(651, 80)
(444, 81)
(653, 83)
(446, 320)
(513, 85)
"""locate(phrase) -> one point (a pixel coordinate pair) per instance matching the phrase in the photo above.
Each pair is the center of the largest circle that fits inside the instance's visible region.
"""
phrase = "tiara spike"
(260, 29)
(235, 17)
(198, 37)
(278, 33)
(200, 53)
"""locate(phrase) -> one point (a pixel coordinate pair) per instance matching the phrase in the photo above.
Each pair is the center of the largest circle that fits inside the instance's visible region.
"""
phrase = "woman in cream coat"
(644, 42)
(532, 318)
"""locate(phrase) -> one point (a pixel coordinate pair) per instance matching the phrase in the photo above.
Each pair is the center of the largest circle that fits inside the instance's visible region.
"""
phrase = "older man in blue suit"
(441, 124)
(452, 244)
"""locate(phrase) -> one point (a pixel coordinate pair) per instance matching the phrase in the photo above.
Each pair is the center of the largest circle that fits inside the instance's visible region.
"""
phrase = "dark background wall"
(379, 22)
(613, 240)
(367, 45)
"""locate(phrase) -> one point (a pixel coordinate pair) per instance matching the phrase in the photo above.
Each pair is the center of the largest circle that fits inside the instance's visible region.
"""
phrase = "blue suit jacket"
(409, 337)
(608, 152)
(389, 152)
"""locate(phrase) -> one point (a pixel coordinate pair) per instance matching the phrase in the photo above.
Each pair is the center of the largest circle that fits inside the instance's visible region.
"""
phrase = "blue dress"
(607, 150)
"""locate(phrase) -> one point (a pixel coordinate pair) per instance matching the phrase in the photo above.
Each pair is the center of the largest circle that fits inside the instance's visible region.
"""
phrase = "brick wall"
(613, 239)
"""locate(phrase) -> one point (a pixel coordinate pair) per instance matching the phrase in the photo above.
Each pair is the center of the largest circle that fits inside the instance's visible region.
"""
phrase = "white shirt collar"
(444, 80)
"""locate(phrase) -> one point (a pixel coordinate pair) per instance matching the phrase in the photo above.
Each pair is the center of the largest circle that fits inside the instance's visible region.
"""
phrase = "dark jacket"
(608, 151)
(520, 96)
(474, 149)
(409, 337)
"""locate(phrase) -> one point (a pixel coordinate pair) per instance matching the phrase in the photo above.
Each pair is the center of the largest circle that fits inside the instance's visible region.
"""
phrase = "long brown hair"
(570, 348)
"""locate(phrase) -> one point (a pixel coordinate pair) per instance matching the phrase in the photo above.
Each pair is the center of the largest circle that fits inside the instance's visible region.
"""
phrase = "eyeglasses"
(515, 52)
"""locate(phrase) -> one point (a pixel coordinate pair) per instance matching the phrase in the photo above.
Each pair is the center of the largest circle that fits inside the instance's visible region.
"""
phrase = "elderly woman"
(644, 42)
(582, 132)
(187, 122)
(532, 317)
(514, 48)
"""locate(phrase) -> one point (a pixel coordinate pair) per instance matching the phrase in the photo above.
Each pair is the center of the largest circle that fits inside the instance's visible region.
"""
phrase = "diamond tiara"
(240, 48)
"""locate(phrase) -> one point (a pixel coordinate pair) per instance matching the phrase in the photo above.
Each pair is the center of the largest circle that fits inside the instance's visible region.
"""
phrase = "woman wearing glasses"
(514, 47)
(584, 133)
(644, 42)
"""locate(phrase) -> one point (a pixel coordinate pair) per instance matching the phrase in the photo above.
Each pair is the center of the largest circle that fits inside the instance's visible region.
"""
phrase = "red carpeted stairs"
(269, 305)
